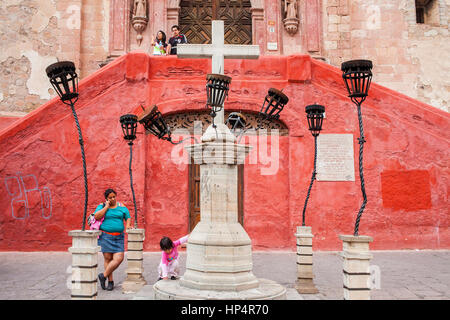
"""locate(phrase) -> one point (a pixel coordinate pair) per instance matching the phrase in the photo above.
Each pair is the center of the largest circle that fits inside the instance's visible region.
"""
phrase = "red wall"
(405, 158)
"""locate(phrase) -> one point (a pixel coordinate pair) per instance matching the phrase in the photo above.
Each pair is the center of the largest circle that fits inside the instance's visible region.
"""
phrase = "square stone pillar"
(357, 257)
(135, 269)
(219, 255)
(305, 275)
(84, 264)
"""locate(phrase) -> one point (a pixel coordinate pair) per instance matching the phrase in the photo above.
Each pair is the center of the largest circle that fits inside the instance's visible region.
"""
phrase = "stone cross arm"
(229, 51)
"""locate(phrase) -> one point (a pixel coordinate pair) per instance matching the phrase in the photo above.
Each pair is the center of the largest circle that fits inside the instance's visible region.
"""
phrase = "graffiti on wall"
(26, 195)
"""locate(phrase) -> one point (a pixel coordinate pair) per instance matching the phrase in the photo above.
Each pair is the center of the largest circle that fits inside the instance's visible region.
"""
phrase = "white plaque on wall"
(272, 46)
(335, 159)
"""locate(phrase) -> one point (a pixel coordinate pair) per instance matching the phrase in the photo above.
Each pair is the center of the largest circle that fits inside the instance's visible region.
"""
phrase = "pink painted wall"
(7, 121)
(406, 158)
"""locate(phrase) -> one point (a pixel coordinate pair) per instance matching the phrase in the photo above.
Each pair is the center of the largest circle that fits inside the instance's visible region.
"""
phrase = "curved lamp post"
(357, 75)
(129, 127)
(314, 114)
(64, 80)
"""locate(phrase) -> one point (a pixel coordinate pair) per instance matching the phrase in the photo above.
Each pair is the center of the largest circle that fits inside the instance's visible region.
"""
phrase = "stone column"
(219, 255)
(357, 257)
(135, 279)
(84, 264)
(305, 275)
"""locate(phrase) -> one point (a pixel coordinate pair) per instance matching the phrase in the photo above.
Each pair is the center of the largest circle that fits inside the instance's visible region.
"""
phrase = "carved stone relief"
(139, 18)
(290, 12)
(201, 121)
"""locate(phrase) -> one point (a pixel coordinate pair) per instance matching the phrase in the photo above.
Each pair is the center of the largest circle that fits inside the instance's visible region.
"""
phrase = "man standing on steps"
(176, 39)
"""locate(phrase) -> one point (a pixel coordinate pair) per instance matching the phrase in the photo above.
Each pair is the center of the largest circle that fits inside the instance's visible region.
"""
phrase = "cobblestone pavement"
(416, 275)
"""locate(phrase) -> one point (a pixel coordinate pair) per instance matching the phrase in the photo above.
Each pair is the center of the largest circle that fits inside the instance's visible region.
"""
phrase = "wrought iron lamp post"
(64, 80)
(129, 127)
(314, 114)
(357, 75)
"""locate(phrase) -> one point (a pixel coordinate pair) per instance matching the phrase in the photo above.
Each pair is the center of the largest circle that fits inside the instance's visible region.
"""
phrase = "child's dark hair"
(108, 191)
(166, 243)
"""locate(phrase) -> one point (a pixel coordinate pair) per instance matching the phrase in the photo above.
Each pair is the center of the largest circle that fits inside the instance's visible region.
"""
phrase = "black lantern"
(236, 121)
(357, 75)
(217, 86)
(129, 126)
(64, 80)
(314, 115)
(273, 104)
(154, 123)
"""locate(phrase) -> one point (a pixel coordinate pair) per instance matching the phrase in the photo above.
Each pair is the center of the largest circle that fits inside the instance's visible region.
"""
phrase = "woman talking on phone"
(112, 239)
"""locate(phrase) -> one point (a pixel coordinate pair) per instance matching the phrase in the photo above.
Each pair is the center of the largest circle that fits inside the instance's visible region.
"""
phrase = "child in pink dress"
(168, 267)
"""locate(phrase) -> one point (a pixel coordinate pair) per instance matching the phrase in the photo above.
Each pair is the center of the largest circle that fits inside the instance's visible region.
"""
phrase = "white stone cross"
(218, 51)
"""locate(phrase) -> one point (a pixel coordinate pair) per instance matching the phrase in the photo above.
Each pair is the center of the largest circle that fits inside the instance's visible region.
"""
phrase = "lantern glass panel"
(129, 126)
(64, 80)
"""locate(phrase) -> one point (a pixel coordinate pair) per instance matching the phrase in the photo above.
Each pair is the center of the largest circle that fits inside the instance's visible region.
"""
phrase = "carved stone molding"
(198, 122)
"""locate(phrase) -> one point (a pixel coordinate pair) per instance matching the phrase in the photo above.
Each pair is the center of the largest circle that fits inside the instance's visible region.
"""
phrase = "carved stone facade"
(406, 52)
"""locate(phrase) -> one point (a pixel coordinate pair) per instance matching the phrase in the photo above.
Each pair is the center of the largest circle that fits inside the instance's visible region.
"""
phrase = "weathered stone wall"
(408, 57)
(36, 33)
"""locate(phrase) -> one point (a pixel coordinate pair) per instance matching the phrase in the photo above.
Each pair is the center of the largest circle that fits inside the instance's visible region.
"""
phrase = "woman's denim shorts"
(112, 244)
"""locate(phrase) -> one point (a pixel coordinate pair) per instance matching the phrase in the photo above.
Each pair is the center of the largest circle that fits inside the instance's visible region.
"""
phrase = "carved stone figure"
(290, 9)
(291, 20)
(139, 19)
(140, 8)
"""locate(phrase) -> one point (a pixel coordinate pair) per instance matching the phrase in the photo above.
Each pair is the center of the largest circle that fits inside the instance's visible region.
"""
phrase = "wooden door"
(194, 194)
(195, 20)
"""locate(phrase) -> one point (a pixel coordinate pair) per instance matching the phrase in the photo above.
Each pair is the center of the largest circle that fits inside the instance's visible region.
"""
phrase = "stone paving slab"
(404, 275)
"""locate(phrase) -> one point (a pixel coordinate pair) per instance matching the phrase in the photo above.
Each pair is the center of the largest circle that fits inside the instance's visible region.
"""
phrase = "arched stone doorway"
(195, 123)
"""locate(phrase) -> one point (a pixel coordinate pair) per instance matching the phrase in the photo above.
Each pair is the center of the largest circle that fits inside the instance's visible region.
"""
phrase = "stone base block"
(173, 290)
(306, 286)
(236, 281)
(350, 294)
(133, 285)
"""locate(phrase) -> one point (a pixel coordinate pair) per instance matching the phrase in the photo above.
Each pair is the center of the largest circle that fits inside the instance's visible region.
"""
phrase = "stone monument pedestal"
(84, 264)
(173, 290)
(135, 269)
(219, 255)
(305, 275)
(357, 257)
